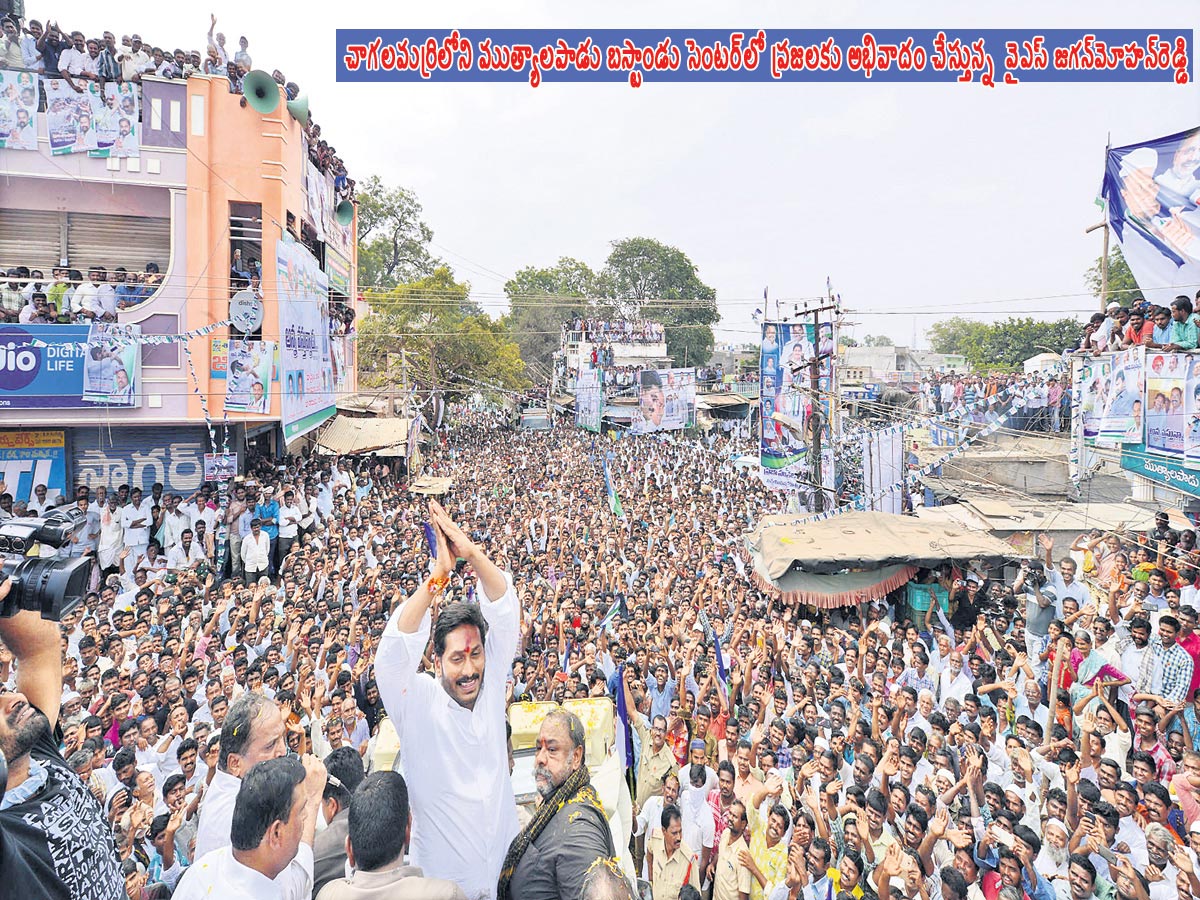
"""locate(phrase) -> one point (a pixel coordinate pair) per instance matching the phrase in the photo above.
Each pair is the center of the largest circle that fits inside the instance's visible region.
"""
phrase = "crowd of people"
(1020, 732)
(29, 298)
(612, 331)
(53, 52)
(1121, 327)
(1043, 400)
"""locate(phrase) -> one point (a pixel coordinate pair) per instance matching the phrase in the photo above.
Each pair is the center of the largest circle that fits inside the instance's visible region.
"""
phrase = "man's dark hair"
(454, 615)
(670, 814)
(172, 782)
(378, 820)
(955, 882)
(1182, 303)
(877, 802)
(265, 797)
(822, 846)
(345, 765)
(235, 733)
(1027, 835)
(125, 757)
(1081, 860)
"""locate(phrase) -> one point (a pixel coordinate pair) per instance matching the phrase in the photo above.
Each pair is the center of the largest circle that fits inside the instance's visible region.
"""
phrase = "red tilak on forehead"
(468, 648)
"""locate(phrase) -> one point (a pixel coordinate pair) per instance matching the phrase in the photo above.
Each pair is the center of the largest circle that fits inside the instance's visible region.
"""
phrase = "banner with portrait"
(116, 121)
(1095, 379)
(89, 121)
(307, 379)
(666, 400)
(589, 399)
(18, 110)
(1166, 419)
(787, 396)
(248, 376)
(1191, 404)
(1123, 418)
(1151, 191)
(112, 364)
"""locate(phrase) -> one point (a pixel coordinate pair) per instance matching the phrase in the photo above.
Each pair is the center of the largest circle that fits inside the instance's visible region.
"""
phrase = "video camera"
(51, 587)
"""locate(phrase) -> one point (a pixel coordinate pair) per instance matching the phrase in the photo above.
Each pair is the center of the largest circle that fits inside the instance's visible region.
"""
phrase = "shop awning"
(865, 540)
(347, 436)
(431, 485)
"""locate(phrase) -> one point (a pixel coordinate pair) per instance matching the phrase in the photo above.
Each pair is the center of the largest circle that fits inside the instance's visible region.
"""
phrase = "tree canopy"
(393, 239)
(648, 279)
(1002, 345)
(540, 300)
(445, 341)
(1122, 286)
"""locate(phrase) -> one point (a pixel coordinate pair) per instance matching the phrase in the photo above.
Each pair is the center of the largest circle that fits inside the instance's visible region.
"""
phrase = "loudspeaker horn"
(299, 110)
(344, 212)
(260, 91)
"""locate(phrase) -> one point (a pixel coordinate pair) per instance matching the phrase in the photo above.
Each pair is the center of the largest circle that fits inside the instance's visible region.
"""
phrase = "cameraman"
(1042, 607)
(54, 840)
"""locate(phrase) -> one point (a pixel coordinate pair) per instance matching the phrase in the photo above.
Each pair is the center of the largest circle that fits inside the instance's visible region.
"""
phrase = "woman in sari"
(1093, 674)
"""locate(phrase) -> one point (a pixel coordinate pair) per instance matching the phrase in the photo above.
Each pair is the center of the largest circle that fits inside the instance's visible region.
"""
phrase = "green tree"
(648, 279)
(954, 335)
(431, 331)
(878, 340)
(1122, 286)
(846, 341)
(540, 300)
(393, 239)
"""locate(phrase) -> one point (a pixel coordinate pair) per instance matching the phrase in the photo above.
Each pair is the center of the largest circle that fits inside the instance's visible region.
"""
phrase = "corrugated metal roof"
(349, 435)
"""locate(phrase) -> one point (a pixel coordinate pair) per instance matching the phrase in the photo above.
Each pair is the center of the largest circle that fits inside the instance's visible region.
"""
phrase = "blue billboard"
(41, 366)
(32, 457)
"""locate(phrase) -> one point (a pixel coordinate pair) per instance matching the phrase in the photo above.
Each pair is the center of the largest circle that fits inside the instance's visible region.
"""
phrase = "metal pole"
(1104, 270)
(814, 378)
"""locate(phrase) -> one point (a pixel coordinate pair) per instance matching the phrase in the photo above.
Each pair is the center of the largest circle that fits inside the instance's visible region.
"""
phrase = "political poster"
(787, 397)
(69, 119)
(589, 399)
(115, 116)
(1166, 418)
(666, 400)
(1095, 379)
(248, 377)
(112, 364)
(30, 457)
(1191, 398)
(220, 466)
(18, 110)
(1151, 190)
(1123, 418)
(307, 379)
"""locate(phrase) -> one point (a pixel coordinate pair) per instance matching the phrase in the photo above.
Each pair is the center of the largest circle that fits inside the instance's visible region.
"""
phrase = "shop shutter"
(139, 456)
(111, 241)
(31, 237)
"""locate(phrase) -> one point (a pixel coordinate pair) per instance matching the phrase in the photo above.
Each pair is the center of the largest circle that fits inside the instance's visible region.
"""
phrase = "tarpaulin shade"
(833, 591)
(865, 541)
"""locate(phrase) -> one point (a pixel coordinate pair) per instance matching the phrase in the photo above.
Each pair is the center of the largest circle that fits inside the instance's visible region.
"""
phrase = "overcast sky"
(949, 199)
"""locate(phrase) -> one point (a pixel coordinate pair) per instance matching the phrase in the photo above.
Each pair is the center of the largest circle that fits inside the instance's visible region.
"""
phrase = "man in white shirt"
(256, 552)
(74, 63)
(268, 852)
(174, 524)
(134, 61)
(136, 519)
(187, 553)
(289, 523)
(95, 299)
(452, 728)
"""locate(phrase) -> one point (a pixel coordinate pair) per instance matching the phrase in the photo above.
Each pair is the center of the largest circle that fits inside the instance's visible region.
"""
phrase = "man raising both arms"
(452, 739)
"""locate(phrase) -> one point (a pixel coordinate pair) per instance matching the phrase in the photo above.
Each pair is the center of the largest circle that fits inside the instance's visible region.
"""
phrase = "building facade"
(225, 205)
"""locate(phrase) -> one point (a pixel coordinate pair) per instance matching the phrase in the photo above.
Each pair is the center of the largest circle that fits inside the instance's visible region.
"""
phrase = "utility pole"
(404, 378)
(814, 379)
